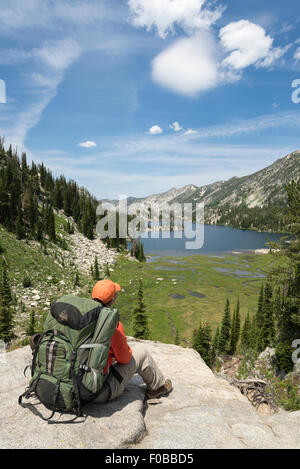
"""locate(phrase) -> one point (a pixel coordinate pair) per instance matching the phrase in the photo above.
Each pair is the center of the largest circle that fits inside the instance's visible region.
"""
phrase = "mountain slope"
(245, 202)
(259, 189)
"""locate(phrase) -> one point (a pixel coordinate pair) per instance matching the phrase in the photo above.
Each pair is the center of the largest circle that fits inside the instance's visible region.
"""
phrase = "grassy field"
(202, 283)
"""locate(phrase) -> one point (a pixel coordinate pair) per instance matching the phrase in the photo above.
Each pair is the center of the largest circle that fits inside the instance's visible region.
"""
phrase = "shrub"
(27, 282)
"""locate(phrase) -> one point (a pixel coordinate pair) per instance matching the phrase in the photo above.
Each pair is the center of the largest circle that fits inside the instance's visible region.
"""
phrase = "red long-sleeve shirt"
(119, 349)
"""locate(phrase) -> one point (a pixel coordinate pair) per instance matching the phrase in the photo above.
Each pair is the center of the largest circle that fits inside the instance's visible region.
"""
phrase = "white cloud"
(297, 54)
(57, 33)
(273, 56)
(249, 44)
(190, 132)
(188, 66)
(194, 64)
(59, 54)
(87, 144)
(176, 127)
(155, 130)
(286, 27)
(247, 41)
(201, 165)
(191, 15)
(15, 14)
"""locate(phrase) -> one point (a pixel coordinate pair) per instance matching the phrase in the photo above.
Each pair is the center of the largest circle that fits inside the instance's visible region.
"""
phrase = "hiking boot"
(163, 390)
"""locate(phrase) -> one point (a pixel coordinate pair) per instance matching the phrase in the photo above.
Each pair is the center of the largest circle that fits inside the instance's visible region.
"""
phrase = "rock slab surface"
(202, 411)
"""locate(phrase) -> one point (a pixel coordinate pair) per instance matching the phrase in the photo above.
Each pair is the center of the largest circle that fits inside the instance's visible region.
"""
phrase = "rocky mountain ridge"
(263, 189)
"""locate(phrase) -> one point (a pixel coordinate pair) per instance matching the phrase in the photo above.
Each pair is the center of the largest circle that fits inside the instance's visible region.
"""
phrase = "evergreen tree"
(245, 336)
(177, 337)
(6, 314)
(237, 322)
(77, 280)
(288, 308)
(96, 273)
(224, 342)
(268, 327)
(51, 225)
(20, 230)
(202, 343)
(235, 329)
(32, 324)
(39, 230)
(253, 334)
(141, 256)
(215, 345)
(107, 272)
(140, 324)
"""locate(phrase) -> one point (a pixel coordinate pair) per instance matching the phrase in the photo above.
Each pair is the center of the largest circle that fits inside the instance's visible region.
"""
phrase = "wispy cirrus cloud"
(57, 34)
(176, 158)
(199, 164)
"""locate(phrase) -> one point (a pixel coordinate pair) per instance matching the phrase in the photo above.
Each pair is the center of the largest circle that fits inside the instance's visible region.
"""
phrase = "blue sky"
(135, 97)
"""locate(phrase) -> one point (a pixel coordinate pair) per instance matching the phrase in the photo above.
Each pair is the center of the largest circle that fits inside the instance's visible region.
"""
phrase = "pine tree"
(77, 280)
(288, 307)
(32, 324)
(245, 336)
(202, 343)
(237, 322)
(51, 225)
(6, 315)
(140, 324)
(253, 334)
(177, 340)
(215, 345)
(268, 328)
(235, 329)
(107, 272)
(259, 313)
(96, 273)
(141, 256)
(39, 230)
(225, 330)
(20, 231)
(233, 334)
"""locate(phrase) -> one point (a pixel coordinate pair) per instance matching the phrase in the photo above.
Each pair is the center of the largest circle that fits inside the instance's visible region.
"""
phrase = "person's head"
(105, 291)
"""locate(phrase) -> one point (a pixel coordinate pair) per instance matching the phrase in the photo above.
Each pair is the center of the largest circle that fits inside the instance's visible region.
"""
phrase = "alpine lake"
(182, 286)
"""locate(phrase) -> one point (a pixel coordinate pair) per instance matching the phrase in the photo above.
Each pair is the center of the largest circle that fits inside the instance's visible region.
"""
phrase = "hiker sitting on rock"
(128, 361)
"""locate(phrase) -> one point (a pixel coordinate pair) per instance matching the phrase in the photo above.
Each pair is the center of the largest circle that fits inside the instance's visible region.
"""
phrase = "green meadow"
(180, 292)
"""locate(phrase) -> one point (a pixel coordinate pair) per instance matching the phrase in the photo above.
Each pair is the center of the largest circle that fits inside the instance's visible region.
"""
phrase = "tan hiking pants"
(142, 363)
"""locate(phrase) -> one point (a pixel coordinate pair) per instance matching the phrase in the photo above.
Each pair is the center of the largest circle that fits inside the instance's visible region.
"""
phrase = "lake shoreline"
(161, 254)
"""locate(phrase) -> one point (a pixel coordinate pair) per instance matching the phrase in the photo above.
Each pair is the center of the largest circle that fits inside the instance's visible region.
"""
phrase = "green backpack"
(71, 354)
